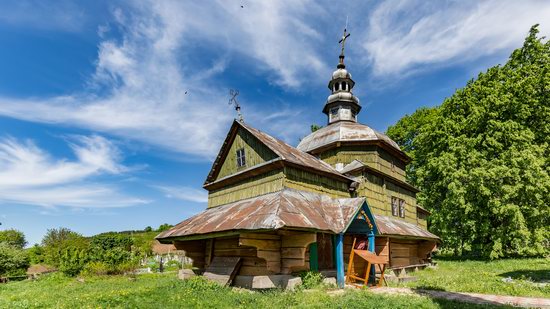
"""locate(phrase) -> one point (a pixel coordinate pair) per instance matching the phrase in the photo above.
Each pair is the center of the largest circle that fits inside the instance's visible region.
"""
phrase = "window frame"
(401, 208)
(241, 157)
(394, 206)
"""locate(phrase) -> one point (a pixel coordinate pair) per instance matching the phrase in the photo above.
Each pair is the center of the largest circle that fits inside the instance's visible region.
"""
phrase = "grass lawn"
(165, 291)
(528, 277)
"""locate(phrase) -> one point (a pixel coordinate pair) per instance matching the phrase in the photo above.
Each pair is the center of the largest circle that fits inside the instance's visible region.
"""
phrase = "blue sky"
(97, 132)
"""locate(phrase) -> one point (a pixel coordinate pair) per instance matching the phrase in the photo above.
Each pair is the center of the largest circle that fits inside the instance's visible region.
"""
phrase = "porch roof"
(395, 227)
(287, 208)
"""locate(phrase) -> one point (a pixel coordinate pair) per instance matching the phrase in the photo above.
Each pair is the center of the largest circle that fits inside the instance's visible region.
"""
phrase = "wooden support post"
(313, 257)
(340, 260)
(372, 248)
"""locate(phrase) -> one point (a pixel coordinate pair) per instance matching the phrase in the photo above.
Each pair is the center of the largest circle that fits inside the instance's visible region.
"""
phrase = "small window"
(241, 158)
(334, 111)
(401, 208)
(394, 210)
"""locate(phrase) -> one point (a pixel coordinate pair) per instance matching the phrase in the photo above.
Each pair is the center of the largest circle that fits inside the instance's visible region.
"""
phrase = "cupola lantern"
(342, 105)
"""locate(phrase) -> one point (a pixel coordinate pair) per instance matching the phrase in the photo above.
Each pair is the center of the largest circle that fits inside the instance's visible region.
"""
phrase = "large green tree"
(13, 238)
(482, 158)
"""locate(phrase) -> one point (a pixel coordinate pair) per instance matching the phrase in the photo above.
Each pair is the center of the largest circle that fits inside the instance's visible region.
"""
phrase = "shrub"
(173, 264)
(13, 261)
(57, 241)
(36, 254)
(311, 279)
(95, 269)
(73, 260)
(110, 241)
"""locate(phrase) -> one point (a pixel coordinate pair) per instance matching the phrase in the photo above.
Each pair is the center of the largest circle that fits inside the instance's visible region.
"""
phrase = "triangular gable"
(274, 149)
(239, 137)
(363, 221)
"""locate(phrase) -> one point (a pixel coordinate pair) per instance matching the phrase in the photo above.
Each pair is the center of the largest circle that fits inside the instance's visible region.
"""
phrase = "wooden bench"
(372, 259)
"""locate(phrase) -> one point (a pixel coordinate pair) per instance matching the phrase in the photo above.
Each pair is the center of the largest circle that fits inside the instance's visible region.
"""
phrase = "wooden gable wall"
(371, 155)
(255, 152)
(379, 191)
(307, 181)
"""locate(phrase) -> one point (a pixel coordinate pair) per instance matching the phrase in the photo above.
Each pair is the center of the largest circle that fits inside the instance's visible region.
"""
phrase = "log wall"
(195, 250)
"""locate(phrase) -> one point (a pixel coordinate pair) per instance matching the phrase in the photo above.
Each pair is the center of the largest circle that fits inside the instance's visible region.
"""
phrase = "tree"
(36, 254)
(13, 261)
(315, 127)
(148, 229)
(56, 241)
(164, 227)
(482, 158)
(13, 238)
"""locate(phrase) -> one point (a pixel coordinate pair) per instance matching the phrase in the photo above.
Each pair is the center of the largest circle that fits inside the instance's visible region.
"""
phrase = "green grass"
(486, 277)
(165, 291)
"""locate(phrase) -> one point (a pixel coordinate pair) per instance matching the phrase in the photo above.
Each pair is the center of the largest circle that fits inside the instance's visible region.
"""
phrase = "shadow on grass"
(541, 275)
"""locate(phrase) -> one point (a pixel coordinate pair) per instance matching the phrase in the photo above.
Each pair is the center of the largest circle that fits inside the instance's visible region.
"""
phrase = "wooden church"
(281, 209)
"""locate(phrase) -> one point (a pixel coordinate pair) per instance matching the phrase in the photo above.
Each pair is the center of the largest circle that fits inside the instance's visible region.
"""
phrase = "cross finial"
(343, 40)
(233, 100)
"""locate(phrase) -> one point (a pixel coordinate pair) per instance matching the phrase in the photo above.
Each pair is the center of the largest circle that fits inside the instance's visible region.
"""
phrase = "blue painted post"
(372, 249)
(340, 277)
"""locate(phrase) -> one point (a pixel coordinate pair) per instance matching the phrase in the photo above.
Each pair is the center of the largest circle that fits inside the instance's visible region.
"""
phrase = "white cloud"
(28, 175)
(144, 76)
(184, 193)
(405, 36)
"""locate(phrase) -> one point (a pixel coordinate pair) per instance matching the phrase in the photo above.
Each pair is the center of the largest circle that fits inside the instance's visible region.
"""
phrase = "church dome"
(341, 73)
(342, 132)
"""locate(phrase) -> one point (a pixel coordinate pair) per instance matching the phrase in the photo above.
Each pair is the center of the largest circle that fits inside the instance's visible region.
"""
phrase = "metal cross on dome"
(343, 40)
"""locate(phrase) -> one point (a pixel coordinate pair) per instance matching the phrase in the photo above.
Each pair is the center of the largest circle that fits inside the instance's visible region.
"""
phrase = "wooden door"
(325, 251)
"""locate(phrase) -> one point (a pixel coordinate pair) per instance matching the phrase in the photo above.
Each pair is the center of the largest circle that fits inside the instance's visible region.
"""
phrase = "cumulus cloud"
(408, 35)
(29, 175)
(184, 193)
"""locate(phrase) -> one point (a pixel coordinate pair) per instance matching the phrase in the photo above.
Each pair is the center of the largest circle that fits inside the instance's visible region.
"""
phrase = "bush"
(110, 241)
(173, 264)
(95, 269)
(73, 261)
(13, 261)
(36, 254)
(57, 241)
(311, 279)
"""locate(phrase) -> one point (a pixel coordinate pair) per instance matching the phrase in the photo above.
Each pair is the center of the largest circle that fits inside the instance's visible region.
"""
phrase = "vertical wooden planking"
(255, 152)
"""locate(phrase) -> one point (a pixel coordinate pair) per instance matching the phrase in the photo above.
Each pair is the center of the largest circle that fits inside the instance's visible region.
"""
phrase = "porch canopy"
(288, 208)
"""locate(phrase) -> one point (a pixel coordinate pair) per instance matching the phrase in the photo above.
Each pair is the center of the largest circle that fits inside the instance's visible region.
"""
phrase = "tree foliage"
(57, 241)
(13, 238)
(482, 158)
(13, 261)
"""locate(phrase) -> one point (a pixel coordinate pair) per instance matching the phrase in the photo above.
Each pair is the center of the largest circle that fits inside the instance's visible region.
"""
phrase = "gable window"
(241, 158)
(394, 210)
(401, 208)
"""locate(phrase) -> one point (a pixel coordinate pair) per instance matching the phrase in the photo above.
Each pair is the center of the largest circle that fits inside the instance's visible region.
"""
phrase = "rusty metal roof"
(343, 131)
(395, 227)
(283, 150)
(284, 209)
(291, 154)
(287, 208)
